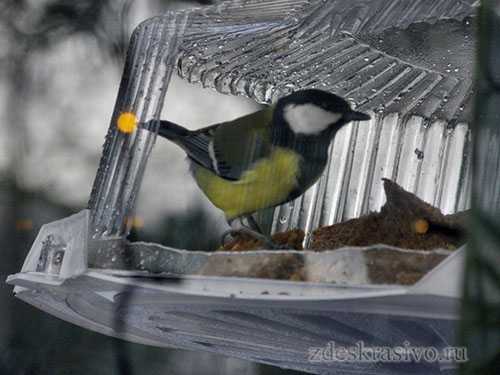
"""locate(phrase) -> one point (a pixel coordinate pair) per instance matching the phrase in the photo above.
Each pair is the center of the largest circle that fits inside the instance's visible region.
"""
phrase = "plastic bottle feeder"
(408, 63)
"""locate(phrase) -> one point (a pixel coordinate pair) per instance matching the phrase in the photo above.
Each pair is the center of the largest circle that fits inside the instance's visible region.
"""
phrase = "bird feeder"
(408, 63)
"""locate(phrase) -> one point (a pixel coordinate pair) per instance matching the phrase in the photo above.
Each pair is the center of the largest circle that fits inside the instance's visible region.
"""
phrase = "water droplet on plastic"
(419, 153)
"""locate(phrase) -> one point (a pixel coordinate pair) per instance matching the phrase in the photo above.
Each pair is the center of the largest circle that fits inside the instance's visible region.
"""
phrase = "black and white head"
(314, 112)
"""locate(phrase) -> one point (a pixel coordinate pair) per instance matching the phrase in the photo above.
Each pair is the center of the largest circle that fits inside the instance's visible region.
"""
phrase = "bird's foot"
(246, 232)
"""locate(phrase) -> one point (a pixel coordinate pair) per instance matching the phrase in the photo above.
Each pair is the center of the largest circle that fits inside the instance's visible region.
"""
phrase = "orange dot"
(127, 122)
(136, 222)
(421, 226)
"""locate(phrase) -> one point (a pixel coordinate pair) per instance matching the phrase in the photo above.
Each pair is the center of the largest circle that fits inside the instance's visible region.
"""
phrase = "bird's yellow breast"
(267, 184)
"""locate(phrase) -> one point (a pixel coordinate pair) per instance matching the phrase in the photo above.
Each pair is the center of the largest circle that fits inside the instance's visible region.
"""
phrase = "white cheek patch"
(309, 119)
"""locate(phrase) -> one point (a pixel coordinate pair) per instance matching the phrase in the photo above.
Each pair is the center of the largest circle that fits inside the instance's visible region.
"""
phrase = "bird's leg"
(254, 231)
(254, 225)
(253, 234)
(229, 233)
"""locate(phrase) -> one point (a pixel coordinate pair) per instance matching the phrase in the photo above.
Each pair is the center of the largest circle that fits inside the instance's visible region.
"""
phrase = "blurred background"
(60, 67)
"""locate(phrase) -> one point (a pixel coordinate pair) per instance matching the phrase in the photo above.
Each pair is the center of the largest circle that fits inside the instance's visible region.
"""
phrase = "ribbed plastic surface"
(365, 50)
(408, 62)
(145, 79)
(428, 158)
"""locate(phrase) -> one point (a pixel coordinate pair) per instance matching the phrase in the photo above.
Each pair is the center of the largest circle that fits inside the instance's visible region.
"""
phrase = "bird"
(263, 159)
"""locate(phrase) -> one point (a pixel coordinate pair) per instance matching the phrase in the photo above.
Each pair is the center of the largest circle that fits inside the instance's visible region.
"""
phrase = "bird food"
(404, 222)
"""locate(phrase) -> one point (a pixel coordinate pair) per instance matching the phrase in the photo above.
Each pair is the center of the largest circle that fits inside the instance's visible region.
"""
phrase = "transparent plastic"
(419, 93)
(384, 57)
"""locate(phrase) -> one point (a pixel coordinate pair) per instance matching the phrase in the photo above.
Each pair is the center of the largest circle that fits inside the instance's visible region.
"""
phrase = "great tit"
(266, 158)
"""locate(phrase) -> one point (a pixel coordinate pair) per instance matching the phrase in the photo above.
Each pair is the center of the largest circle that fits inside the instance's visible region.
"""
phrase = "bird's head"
(314, 112)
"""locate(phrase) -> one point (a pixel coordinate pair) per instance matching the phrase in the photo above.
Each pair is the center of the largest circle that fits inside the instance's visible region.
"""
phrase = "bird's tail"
(196, 144)
(167, 129)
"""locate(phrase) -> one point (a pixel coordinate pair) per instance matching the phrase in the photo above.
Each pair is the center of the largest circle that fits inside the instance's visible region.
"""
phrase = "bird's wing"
(230, 148)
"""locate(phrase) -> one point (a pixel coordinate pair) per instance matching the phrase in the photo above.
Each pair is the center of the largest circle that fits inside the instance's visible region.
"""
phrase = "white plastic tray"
(268, 321)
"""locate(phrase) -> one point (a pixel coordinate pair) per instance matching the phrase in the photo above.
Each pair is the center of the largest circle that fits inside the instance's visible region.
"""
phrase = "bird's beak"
(356, 116)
